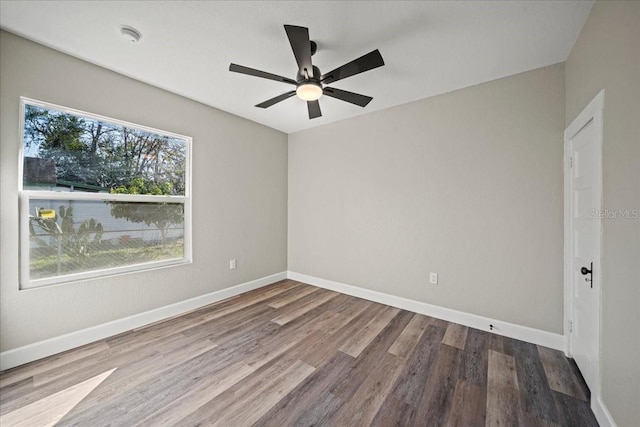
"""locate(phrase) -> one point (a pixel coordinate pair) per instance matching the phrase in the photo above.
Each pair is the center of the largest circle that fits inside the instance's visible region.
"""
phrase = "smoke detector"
(130, 34)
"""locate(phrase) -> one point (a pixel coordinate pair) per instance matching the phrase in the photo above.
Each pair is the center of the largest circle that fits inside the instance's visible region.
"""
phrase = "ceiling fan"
(310, 83)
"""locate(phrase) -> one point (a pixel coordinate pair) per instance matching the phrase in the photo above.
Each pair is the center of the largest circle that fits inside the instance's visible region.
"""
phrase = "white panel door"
(584, 145)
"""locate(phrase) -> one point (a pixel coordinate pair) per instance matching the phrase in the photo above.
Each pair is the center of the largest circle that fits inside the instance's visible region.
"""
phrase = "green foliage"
(107, 155)
(48, 225)
(161, 215)
(74, 243)
(141, 186)
(104, 256)
(78, 243)
(53, 131)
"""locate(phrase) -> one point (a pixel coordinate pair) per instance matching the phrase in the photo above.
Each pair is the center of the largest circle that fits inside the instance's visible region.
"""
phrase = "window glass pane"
(79, 236)
(68, 152)
(76, 236)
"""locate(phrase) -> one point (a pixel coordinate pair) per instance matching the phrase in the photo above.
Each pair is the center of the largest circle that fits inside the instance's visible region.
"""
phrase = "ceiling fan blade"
(314, 109)
(343, 95)
(257, 73)
(365, 63)
(301, 46)
(269, 102)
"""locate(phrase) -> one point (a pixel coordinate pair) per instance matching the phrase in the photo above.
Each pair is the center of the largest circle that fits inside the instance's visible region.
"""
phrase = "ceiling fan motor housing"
(314, 76)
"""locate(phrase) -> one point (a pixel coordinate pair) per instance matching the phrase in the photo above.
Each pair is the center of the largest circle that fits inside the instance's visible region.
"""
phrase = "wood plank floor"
(291, 354)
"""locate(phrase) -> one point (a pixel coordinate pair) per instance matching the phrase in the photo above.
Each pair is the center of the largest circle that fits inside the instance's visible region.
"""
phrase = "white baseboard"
(600, 410)
(51, 346)
(29, 353)
(524, 333)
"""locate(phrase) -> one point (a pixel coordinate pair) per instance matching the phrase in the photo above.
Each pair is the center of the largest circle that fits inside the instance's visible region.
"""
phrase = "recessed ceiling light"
(130, 34)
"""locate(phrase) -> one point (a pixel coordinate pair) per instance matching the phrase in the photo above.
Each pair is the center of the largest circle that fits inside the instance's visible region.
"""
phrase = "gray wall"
(466, 184)
(239, 195)
(607, 56)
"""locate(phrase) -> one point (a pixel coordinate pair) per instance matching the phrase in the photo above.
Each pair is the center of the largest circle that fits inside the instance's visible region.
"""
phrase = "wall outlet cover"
(433, 278)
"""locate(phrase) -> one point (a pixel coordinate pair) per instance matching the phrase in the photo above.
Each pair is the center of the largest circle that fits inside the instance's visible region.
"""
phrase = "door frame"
(592, 113)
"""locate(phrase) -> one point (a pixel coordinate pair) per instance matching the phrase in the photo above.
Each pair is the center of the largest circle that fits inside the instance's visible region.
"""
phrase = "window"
(99, 196)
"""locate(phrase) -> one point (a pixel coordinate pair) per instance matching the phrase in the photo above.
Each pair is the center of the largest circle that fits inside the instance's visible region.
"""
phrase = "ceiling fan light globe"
(309, 91)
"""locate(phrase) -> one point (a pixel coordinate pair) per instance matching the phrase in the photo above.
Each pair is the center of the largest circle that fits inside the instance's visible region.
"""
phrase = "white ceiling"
(429, 47)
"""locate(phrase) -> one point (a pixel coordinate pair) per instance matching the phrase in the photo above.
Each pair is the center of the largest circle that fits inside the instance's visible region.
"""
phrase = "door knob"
(585, 270)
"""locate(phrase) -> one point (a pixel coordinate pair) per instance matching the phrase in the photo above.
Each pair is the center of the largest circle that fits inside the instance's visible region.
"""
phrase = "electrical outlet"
(233, 264)
(433, 278)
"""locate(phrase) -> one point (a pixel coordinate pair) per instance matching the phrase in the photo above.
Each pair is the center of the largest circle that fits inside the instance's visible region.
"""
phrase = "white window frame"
(26, 195)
